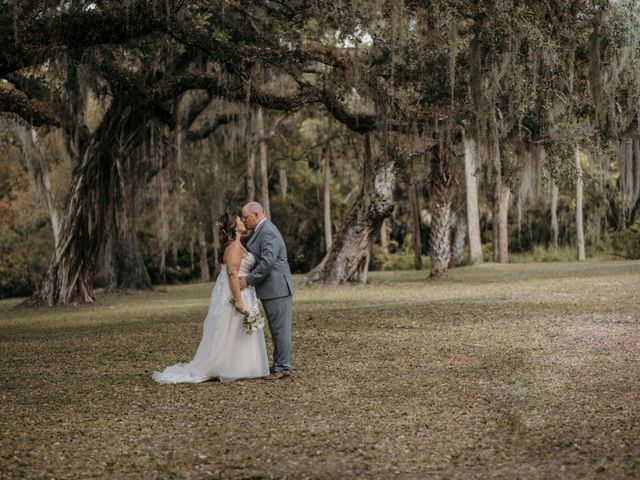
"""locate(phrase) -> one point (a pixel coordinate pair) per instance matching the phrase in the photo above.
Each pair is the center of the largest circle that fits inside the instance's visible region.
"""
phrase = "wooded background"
(373, 132)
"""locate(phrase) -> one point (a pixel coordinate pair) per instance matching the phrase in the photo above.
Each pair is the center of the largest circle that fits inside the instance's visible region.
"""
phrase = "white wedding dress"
(225, 351)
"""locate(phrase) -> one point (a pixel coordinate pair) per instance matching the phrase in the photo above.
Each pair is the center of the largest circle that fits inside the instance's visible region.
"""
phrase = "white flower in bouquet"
(251, 321)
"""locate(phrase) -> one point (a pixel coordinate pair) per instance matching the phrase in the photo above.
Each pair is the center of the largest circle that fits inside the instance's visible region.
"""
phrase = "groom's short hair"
(254, 207)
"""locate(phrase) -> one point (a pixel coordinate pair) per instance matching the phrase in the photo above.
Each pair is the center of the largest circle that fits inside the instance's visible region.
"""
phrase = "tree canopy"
(152, 99)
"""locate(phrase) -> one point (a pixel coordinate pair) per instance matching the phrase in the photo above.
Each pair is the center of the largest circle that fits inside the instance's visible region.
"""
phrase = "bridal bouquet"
(251, 321)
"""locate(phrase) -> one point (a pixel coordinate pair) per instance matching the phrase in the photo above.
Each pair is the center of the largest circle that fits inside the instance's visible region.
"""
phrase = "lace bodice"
(246, 264)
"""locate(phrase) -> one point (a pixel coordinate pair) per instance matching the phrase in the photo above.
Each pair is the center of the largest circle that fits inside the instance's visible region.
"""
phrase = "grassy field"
(517, 371)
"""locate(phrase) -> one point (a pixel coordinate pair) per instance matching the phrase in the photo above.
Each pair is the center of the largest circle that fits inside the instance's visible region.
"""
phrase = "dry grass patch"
(527, 371)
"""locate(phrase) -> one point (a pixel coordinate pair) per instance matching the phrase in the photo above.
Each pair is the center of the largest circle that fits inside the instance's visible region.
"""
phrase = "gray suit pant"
(279, 312)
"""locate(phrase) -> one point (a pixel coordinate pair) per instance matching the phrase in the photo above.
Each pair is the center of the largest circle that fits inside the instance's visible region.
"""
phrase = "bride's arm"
(232, 258)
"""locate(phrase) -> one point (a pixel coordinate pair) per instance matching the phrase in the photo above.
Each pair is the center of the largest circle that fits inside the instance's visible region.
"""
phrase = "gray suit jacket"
(271, 275)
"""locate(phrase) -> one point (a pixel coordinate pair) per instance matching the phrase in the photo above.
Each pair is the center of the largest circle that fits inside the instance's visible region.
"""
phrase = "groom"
(271, 277)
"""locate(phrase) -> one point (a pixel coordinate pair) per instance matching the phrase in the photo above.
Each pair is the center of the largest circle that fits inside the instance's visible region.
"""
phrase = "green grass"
(513, 371)
(561, 254)
(405, 259)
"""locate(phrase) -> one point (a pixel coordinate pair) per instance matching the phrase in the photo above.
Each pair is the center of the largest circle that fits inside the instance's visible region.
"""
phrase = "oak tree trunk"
(96, 204)
(384, 236)
(217, 207)
(125, 266)
(174, 252)
(251, 169)
(457, 242)
(473, 218)
(125, 183)
(328, 237)
(519, 208)
(348, 259)
(204, 263)
(501, 194)
(39, 172)
(163, 222)
(72, 267)
(192, 253)
(283, 183)
(264, 164)
(554, 213)
(495, 233)
(636, 177)
(503, 224)
(440, 250)
(579, 225)
(415, 222)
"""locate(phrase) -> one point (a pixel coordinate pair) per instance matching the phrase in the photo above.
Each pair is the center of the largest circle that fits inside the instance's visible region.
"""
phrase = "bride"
(226, 351)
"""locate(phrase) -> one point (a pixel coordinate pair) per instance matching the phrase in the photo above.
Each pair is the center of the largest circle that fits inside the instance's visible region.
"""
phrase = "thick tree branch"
(37, 37)
(209, 127)
(233, 89)
(361, 123)
(32, 111)
(196, 107)
(239, 55)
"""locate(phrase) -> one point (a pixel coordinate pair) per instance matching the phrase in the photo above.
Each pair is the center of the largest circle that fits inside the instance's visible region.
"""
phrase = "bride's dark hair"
(227, 228)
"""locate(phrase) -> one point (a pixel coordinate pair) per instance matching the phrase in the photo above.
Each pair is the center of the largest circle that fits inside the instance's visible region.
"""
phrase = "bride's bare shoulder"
(233, 247)
(233, 251)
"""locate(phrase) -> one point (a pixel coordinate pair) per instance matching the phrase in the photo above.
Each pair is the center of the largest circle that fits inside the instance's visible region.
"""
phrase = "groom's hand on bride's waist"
(243, 283)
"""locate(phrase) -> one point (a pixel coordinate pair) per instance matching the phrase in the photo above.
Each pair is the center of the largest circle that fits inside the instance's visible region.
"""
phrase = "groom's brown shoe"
(277, 375)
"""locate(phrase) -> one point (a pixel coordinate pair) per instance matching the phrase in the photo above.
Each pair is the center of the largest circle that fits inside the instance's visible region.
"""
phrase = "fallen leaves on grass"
(508, 371)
